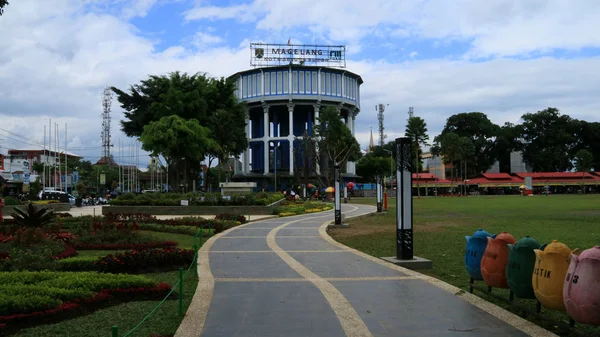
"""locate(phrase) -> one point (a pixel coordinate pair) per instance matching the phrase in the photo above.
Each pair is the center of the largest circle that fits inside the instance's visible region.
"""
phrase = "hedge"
(196, 199)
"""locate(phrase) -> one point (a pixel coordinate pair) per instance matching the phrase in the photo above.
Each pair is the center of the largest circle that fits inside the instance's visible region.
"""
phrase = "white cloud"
(504, 27)
(203, 40)
(239, 12)
(55, 59)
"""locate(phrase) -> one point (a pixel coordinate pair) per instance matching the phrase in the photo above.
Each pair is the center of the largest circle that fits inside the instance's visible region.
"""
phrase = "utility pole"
(382, 136)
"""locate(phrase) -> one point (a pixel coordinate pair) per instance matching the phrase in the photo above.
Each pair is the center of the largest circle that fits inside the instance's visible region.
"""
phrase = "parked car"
(57, 195)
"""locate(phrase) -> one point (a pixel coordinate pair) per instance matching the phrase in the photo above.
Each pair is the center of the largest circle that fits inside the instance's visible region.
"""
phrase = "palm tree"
(33, 217)
(416, 130)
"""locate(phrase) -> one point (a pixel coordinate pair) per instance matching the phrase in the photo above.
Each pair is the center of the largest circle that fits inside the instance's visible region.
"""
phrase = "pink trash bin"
(581, 290)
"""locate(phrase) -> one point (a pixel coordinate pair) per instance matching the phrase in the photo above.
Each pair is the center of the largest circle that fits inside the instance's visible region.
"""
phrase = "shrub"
(188, 230)
(32, 216)
(220, 226)
(235, 217)
(79, 263)
(32, 258)
(142, 260)
(11, 201)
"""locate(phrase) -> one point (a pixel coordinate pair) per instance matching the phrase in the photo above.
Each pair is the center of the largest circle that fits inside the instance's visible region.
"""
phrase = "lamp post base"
(417, 263)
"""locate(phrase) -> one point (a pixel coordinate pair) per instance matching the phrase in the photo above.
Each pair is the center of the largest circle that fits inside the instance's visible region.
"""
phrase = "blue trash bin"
(476, 245)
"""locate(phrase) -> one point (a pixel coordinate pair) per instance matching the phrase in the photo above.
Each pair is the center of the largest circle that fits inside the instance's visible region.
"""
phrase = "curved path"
(286, 277)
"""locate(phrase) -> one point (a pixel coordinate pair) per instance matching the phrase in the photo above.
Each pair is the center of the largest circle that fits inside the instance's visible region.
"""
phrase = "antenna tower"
(411, 112)
(105, 134)
(382, 136)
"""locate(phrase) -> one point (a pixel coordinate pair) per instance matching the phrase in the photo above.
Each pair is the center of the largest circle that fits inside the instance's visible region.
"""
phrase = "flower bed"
(120, 246)
(144, 260)
(136, 261)
(26, 292)
(297, 208)
(78, 306)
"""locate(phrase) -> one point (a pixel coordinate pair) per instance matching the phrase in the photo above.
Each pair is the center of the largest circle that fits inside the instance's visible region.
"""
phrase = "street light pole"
(385, 195)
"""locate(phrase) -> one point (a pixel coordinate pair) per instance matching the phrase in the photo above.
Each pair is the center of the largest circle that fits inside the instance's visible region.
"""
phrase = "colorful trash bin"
(581, 291)
(495, 259)
(551, 265)
(476, 244)
(521, 261)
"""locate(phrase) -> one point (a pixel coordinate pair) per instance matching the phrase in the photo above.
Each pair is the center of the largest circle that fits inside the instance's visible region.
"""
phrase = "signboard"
(26, 178)
(102, 179)
(269, 54)
(529, 183)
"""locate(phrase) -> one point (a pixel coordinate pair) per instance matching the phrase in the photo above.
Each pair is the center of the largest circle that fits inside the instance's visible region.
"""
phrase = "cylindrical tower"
(283, 102)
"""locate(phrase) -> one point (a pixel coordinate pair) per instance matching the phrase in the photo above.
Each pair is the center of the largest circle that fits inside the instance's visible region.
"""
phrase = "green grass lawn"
(164, 321)
(441, 225)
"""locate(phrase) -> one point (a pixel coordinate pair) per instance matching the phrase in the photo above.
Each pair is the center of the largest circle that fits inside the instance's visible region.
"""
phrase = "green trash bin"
(519, 269)
(78, 202)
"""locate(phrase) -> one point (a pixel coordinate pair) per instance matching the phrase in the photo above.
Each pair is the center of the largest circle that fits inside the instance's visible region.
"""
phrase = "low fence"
(179, 286)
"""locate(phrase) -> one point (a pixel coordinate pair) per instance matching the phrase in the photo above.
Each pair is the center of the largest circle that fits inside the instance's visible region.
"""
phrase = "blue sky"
(504, 58)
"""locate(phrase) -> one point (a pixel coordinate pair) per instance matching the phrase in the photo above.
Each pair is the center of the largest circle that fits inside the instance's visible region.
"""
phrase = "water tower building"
(284, 92)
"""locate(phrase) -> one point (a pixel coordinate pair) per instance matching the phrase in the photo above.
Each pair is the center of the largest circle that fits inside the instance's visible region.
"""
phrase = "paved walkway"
(287, 277)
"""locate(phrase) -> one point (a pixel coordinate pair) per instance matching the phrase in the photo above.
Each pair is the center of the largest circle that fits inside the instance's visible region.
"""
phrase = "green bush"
(11, 201)
(18, 303)
(188, 230)
(78, 263)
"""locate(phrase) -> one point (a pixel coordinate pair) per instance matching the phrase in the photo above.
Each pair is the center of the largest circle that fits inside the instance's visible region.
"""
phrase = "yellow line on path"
(297, 279)
(349, 319)
(271, 251)
(280, 236)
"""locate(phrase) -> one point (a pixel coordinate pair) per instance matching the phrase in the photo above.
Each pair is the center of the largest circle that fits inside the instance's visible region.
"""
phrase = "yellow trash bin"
(551, 265)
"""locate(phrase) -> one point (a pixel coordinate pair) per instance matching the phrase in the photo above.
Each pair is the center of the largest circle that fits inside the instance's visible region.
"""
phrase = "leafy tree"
(550, 139)
(209, 101)
(589, 138)
(181, 142)
(447, 146)
(477, 127)
(335, 142)
(508, 140)
(370, 166)
(161, 96)
(228, 131)
(310, 157)
(3, 3)
(38, 167)
(416, 130)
